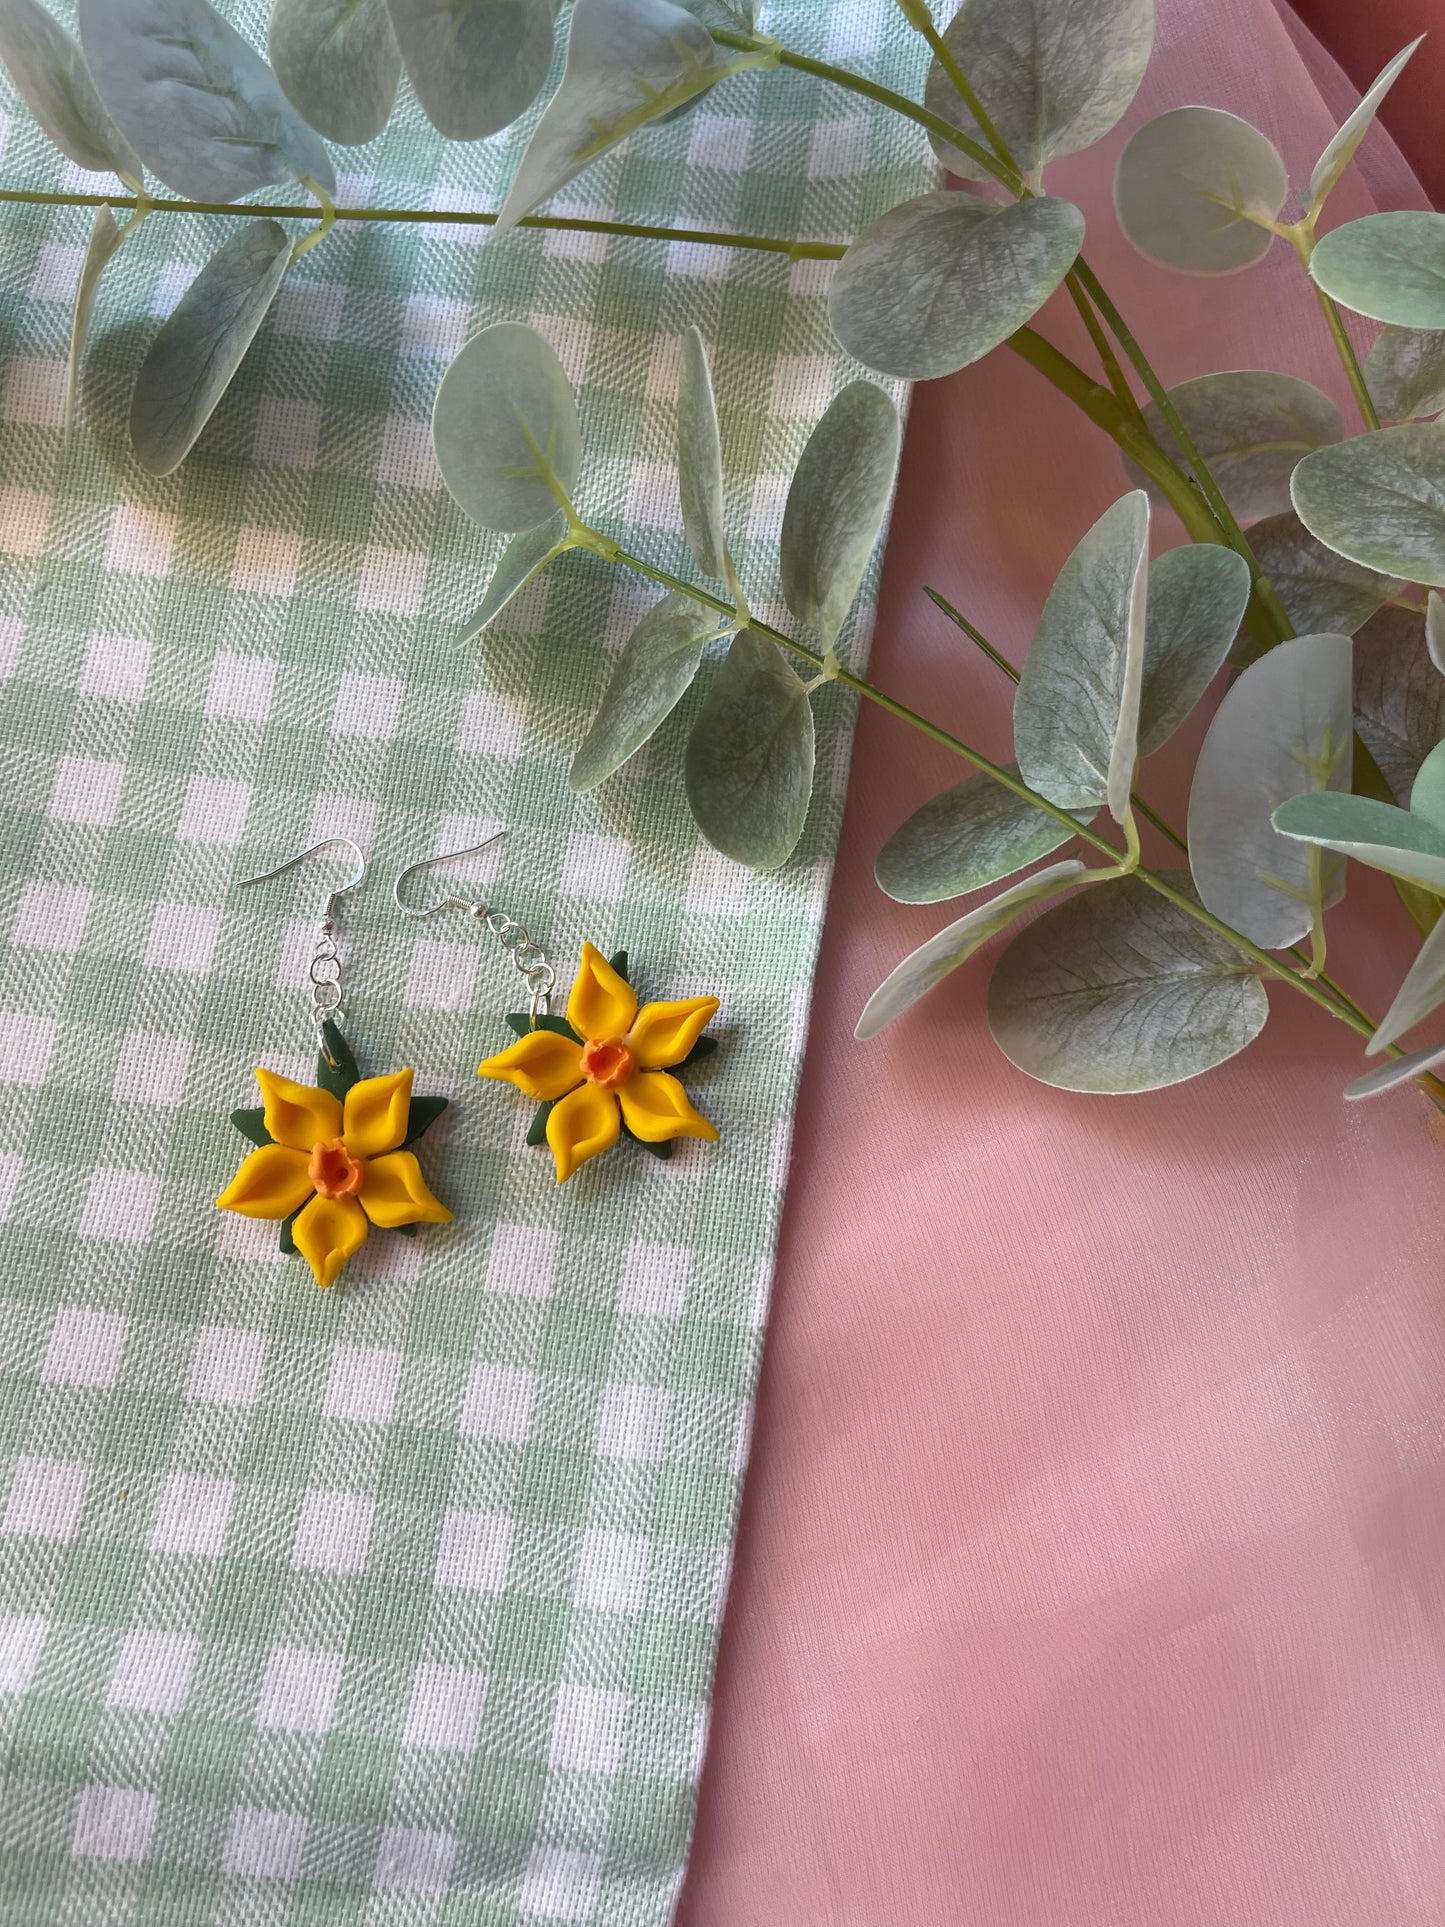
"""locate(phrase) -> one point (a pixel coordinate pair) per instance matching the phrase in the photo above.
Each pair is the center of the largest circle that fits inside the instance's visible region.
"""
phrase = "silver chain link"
(325, 975)
(529, 959)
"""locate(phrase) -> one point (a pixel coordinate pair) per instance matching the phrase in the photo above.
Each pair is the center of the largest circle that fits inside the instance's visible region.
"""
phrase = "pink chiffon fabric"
(1092, 1570)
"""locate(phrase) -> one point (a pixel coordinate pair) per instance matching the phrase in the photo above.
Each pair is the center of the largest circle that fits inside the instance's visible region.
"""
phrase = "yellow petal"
(394, 1192)
(327, 1233)
(377, 1110)
(543, 1064)
(580, 1126)
(602, 1003)
(271, 1183)
(655, 1107)
(298, 1114)
(665, 1033)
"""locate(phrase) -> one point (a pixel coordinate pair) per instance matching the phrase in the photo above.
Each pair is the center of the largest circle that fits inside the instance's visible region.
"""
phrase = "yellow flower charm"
(607, 1068)
(333, 1166)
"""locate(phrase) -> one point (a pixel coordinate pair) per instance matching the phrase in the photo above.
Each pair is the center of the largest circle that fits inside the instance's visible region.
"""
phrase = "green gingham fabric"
(397, 1603)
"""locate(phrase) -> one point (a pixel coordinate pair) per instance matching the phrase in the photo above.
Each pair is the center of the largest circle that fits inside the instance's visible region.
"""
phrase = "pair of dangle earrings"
(334, 1160)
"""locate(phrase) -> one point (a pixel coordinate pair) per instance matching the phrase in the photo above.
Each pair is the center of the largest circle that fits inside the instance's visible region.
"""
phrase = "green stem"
(963, 87)
(1108, 360)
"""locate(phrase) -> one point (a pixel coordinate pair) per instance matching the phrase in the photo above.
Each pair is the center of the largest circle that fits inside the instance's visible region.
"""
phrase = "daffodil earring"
(604, 1069)
(333, 1159)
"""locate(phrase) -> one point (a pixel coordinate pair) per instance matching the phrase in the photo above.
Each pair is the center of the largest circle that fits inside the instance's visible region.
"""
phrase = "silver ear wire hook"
(325, 973)
(529, 959)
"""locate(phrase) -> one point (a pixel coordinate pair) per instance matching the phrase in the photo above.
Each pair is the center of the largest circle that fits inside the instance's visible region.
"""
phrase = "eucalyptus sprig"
(1131, 977)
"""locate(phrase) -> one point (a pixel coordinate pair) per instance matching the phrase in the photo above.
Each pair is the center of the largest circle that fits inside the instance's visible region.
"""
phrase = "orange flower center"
(334, 1171)
(607, 1062)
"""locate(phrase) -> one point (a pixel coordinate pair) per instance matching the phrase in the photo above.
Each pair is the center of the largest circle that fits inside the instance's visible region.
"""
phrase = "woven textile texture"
(398, 1602)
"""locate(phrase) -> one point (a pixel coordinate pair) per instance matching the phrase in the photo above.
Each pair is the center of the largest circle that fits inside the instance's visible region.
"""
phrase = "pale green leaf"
(525, 556)
(1399, 697)
(475, 64)
(1119, 990)
(1435, 630)
(1427, 792)
(1283, 730)
(505, 429)
(1399, 1070)
(939, 281)
(1197, 598)
(1405, 373)
(1340, 152)
(738, 16)
(1252, 426)
(1052, 75)
(339, 64)
(1377, 834)
(652, 675)
(1321, 590)
(1076, 713)
(105, 238)
(50, 76)
(1388, 266)
(189, 365)
(1191, 187)
(1422, 993)
(699, 461)
(927, 966)
(1380, 500)
(750, 756)
(838, 498)
(197, 102)
(970, 836)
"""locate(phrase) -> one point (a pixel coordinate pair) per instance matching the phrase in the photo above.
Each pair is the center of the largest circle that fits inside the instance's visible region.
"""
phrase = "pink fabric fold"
(1091, 1571)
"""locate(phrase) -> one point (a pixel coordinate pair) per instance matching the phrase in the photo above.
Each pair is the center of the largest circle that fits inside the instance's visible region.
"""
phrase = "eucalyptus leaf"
(1405, 373)
(1197, 599)
(1320, 589)
(737, 16)
(1191, 187)
(657, 664)
(1341, 150)
(838, 498)
(200, 106)
(1283, 730)
(191, 362)
(1252, 426)
(475, 64)
(1119, 990)
(1380, 500)
(699, 461)
(105, 238)
(338, 64)
(939, 281)
(1053, 75)
(1435, 631)
(525, 556)
(1388, 266)
(750, 756)
(1399, 1070)
(1377, 834)
(927, 966)
(505, 429)
(1076, 714)
(628, 62)
(1427, 792)
(50, 76)
(970, 836)
(1399, 697)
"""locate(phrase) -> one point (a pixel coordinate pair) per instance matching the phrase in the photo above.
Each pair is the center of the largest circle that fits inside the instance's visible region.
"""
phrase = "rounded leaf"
(525, 556)
(197, 102)
(1321, 590)
(927, 966)
(838, 498)
(1197, 599)
(1053, 75)
(1252, 426)
(941, 280)
(1284, 729)
(699, 460)
(1191, 186)
(1340, 151)
(1398, 1071)
(653, 673)
(51, 77)
(1405, 373)
(1380, 500)
(475, 64)
(1377, 834)
(970, 836)
(1388, 266)
(750, 756)
(105, 238)
(338, 63)
(191, 362)
(505, 429)
(1399, 697)
(1119, 990)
